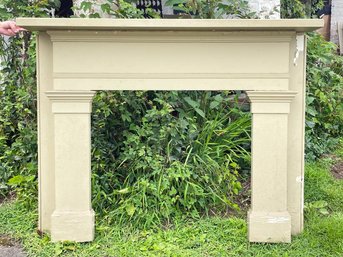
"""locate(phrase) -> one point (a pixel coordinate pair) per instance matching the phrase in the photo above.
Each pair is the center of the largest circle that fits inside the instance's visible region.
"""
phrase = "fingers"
(7, 32)
(13, 26)
(9, 28)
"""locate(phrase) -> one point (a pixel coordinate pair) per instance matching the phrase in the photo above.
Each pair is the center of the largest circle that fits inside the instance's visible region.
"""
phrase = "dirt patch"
(244, 197)
(10, 197)
(10, 248)
(6, 241)
(337, 170)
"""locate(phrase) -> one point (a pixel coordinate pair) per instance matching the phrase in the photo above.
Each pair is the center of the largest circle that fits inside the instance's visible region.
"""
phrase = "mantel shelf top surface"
(44, 24)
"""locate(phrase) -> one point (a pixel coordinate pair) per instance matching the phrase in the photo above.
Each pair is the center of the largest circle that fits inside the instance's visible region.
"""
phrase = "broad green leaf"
(130, 209)
(214, 104)
(16, 180)
(124, 191)
(191, 102)
(200, 112)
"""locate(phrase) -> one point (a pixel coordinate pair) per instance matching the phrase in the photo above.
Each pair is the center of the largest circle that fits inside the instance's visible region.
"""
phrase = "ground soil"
(337, 170)
(244, 197)
(10, 248)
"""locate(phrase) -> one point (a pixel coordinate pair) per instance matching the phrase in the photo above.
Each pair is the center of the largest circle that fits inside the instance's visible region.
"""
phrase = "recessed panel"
(171, 58)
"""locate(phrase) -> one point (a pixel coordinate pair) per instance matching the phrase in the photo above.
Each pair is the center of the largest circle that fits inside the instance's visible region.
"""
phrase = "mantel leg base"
(269, 227)
(72, 226)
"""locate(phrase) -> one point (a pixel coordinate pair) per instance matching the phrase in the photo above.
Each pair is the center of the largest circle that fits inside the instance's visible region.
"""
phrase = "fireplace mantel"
(77, 57)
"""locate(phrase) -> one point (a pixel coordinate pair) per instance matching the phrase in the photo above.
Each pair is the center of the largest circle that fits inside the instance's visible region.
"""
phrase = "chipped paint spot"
(299, 179)
(300, 48)
(277, 219)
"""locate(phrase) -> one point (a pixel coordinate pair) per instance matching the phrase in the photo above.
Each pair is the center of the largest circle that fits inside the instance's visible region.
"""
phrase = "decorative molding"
(271, 102)
(89, 75)
(171, 84)
(70, 96)
(171, 36)
(271, 96)
(71, 102)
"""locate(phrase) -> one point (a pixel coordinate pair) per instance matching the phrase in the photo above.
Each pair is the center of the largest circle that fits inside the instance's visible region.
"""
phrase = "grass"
(215, 236)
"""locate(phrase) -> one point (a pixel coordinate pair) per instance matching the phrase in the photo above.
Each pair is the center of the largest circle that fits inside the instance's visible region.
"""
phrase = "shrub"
(157, 155)
(18, 133)
(291, 9)
(214, 9)
(324, 105)
(324, 84)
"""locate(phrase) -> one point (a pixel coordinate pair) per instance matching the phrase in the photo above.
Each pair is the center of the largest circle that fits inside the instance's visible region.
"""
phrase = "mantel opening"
(154, 150)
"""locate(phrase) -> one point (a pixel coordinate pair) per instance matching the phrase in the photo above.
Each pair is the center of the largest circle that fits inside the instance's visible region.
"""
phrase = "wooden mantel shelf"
(299, 25)
(77, 57)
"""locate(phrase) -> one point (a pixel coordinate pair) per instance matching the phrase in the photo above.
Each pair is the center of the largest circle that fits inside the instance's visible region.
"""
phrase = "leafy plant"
(213, 9)
(324, 106)
(18, 134)
(25, 188)
(166, 154)
(300, 8)
(317, 206)
(113, 8)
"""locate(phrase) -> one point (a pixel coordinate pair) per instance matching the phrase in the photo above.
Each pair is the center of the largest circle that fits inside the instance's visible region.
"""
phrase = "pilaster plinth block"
(73, 226)
(269, 227)
(73, 217)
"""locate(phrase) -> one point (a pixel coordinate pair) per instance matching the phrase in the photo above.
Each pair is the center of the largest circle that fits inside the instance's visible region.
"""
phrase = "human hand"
(9, 28)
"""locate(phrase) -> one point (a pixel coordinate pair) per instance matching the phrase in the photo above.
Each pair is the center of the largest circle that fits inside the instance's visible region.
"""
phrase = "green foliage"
(18, 135)
(18, 111)
(291, 9)
(317, 206)
(213, 9)
(324, 106)
(116, 8)
(324, 113)
(322, 190)
(25, 8)
(25, 188)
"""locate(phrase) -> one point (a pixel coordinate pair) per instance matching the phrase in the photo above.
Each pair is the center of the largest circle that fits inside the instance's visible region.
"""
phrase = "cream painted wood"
(46, 191)
(296, 140)
(44, 24)
(78, 56)
(269, 219)
(73, 217)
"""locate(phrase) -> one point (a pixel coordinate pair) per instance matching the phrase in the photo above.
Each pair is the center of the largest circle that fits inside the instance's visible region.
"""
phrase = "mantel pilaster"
(73, 217)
